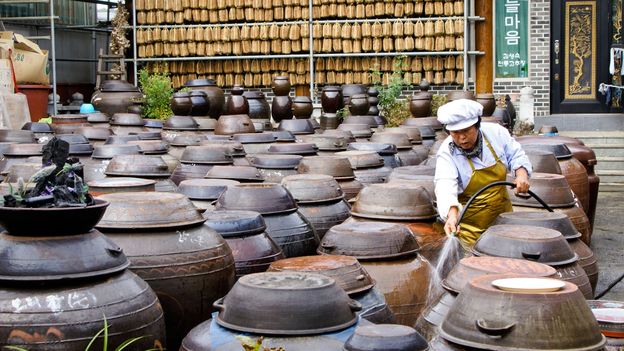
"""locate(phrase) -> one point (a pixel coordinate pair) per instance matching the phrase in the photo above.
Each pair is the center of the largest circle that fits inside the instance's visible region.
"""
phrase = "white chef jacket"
(453, 171)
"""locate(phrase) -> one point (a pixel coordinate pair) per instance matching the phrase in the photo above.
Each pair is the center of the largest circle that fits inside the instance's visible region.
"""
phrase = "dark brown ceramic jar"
(281, 85)
(489, 103)
(237, 104)
(420, 105)
(216, 96)
(349, 90)
(302, 107)
(181, 104)
(258, 106)
(358, 105)
(373, 101)
(281, 108)
(115, 96)
(331, 99)
(200, 103)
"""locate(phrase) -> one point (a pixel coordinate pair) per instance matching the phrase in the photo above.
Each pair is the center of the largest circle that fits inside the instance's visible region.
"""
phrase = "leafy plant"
(395, 110)
(436, 102)
(158, 91)
(250, 344)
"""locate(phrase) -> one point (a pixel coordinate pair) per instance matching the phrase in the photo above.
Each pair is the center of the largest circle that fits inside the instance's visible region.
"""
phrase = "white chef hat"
(460, 114)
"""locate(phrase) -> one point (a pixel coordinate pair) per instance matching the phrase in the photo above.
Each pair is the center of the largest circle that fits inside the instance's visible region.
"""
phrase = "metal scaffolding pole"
(53, 56)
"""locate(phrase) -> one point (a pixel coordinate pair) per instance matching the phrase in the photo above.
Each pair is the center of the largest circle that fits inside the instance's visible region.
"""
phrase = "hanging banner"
(511, 33)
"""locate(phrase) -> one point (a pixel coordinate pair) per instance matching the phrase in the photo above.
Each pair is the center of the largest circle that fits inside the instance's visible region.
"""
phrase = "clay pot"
(489, 103)
(216, 96)
(373, 101)
(297, 126)
(281, 108)
(281, 85)
(120, 184)
(181, 103)
(420, 105)
(349, 90)
(386, 337)
(331, 99)
(237, 104)
(115, 96)
(180, 123)
(543, 161)
(358, 105)
(243, 174)
(302, 107)
(588, 159)
(503, 115)
(258, 106)
(459, 94)
(274, 168)
(67, 124)
(200, 103)
(330, 121)
(234, 124)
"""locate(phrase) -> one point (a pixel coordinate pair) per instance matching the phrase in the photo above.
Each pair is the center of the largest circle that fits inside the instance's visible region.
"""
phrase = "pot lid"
(553, 220)
(362, 159)
(205, 123)
(283, 135)
(204, 189)
(97, 117)
(180, 123)
(95, 133)
(410, 172)
(561, 151)
(394, 201)
(113, 85)
(358, 130)
(153, 123)
(386, 337)
(110, 151)
(127, 119)
(80, 149)
(369, 240)
(113, 183)
(335, 166)
(231, 223)
(313, 188)
(232, 148)
(331, 88)
(380, 148)
(543, 161)
(35, 222)
(253, 94)
(138, 166)
(302, 99)
(326, 142)
(240, 173)
(368, 120)
(214, 138)
(21, 170)
(400, 140)
(347, 134)
(206, 155)
(187, 140)
(302, 149)
(412, 132)
(120, 139)
(537, 244)
(17, 136)
(200, 83)
(59, 257)
(23, 150)
(346, 270)
(275, 161)
(267, 198)
(147, 135)
(73, 138)
(472, 267)
(151, 147)
(148, 210)
(321, 305)
(554, 189)
(427, 132)
(251, 138)
(38, 127)
(297, 126)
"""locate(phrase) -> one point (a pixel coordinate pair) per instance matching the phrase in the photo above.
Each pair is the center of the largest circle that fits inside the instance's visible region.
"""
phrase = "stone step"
(610, 176)
(611, 187)
(593, 137)
(613, 163)
(607, 150)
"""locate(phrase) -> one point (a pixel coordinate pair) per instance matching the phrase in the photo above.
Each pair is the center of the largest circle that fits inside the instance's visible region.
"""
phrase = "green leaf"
(15, 348)
(128, 343)
(95, 338)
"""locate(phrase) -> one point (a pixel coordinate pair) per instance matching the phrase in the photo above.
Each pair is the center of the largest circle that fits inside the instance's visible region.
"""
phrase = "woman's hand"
(451, 221)
(522, 180)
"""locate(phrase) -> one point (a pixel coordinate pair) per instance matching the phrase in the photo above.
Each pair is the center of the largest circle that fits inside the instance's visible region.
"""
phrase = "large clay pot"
(68, 124)
(281, 85)
(459, 94)
(216, 96)
(258, 106)
(200, 103)
(420, 105)
(237, 104)
(331, 99)
(181, 104)
(188, 264)
(302, 107)
(330, 121)
(349, 90)
(281, 108)
(489, 103)
(115, 96)
(234, 124)
(359, 105)
(588, 159)
(373, 101)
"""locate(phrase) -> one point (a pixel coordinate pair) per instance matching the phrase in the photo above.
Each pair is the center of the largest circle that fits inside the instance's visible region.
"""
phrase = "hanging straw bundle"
(438, 8)
(337, 45)
(366, 30)
(345, 32)
(367, 44)
(458, 8)
(356, 32)
(408, 43)
(397, 29)
(429, 9)
(377, 43)
(336, 31)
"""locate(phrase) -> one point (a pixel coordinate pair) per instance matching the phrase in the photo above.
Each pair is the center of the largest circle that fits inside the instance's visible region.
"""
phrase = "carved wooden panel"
(580, 56)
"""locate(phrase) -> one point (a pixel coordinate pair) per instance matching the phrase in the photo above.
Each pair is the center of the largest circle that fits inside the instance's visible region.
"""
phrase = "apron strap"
(487, 142)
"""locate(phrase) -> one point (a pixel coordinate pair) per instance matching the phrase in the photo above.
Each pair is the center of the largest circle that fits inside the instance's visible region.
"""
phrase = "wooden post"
(484, 81)
(302, 90)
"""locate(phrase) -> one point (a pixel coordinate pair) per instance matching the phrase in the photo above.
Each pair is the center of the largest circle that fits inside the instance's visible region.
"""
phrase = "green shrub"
(158, 91)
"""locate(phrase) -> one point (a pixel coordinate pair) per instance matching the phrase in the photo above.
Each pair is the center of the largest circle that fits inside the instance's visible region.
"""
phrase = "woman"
(473, 156)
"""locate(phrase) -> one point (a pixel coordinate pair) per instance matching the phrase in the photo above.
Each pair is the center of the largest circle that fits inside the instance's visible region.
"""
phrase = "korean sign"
(512, 38)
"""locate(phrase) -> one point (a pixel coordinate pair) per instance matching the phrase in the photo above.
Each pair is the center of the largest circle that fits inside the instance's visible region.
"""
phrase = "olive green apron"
(488, 205)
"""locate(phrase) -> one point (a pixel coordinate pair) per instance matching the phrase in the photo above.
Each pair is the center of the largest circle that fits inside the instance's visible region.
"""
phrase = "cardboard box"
(6, 72)
(30, 63)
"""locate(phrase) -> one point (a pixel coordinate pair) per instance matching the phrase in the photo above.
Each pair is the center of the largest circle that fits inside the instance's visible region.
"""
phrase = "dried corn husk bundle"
(408, 28)
(399, 44)
(351, 11)
(255, 46)
(327, 30)
(295, 46)
(356, 32)
(288, 12)
(192, 48)
(297, 13)
(380, 9)
(149, 50)
(419, 29)
(348, 78)
(386, 29)
(179, 18)
(142, 51)
(317, 30)
(265, 47)
(169, 17)
(429, 8)
(304, 30)
(459, 26)
(449, 76)
(389, 8)
(167, 49)
(438, 8)
(211, 49)
(459, 62)
(302, 67)
(397, 29)
(386, 64)
(366, 29)
(449, 62)
(239, 79)
(341, 11)
(429, 28)
(276, 46)
(367, 44)
(439, 44)
(225, 33)
(345, 32)
(449, 27)
(416, 64)
(140, 36)
(427, 63)
(408, 43)
(268, 15)
(264, 33)
(188, 15)
(327, 45)
(337, 45)
(419, 7)
(376, 30)
(459, 43)
(333, 10)
(449, 42)
(339, 78)
(254, 32)
(356, 46)
(438, 63)
(458, 8)
(305, 44)
(336, 31)
(439, 27)
(140, 5)
(208, 33)
(416, 78)
(448, 8)
(459, 77)
(278, 13)
(265, 65)
(377, 44)
(430, 43)
(360, 11)
(201, 48)
(249, 13)
(266, 79)
(198, 33)
(160, 16)
(291, 66)
(259, 15)
(347, 46)
(429, 76)
(439, 78)
(196, 14)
